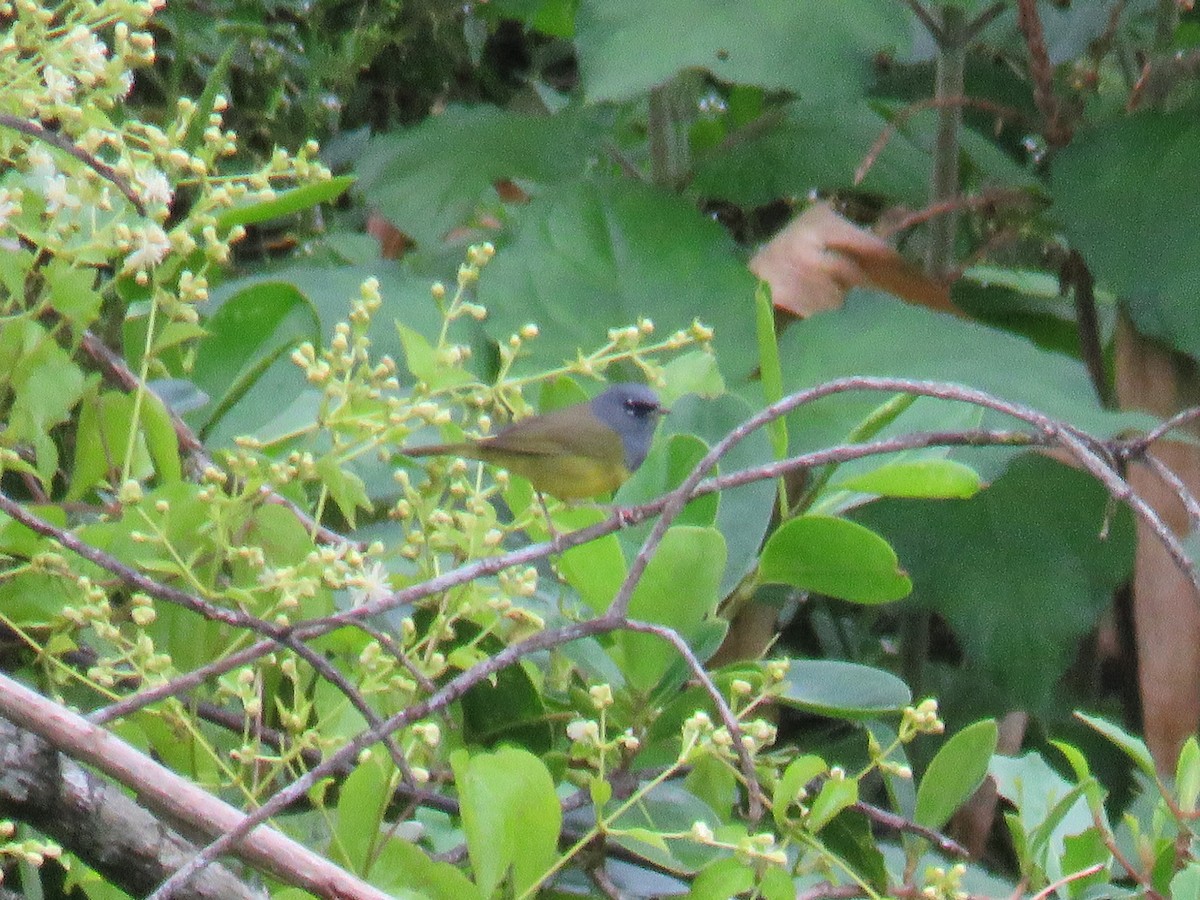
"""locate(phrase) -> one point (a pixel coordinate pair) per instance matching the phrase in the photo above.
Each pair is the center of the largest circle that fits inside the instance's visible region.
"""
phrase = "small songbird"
(575, 452)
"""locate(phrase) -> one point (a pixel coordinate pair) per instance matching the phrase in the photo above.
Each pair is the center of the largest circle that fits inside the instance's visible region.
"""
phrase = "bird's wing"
(556, 434)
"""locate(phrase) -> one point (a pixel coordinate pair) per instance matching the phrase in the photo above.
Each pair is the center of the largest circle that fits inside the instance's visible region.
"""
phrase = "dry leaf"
(820, 255)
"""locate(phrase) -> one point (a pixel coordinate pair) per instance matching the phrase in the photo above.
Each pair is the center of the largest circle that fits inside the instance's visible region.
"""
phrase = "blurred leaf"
(292, 200)
(770, 370)
(1187, 775)
(843, 690)
(833, 797)
(1036, 791)
(955, 773)
(679, 590)
(73, 293)
(362, 801)
(669, 808)
(346, 488)
(808, 47)
(427, 180)
(796, 776)
(1118, 220)
(45, 385)
(721, 880)
(835, 557)
(249, 331)
(422, 362)
(814, 145)
(1019, 572)
(893, 339)
(592, 256)
(932, 478)
(1134, 747)
(510, 815)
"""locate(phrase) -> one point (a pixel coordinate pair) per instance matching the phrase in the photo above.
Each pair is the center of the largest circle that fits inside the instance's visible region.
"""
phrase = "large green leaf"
(510, 815)
(816, 145)
(955, 773)
(1019, 571)
(878, 335)
(428, 179)
(812, 48)
(679, 590)
(246, 335)
(843, 690)
(592, 256)
(1126, 193)
(833, 556)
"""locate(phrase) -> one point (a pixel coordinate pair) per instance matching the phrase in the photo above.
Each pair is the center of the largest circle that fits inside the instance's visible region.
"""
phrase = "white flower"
(41, 169)
(60, 86)
(151, 245)
(58, 197)
(155, 188)
(9, 205)
(371, 585)
(89, 49)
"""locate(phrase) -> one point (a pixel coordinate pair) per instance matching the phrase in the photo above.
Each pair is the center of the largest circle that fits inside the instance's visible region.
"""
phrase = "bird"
(574, 453)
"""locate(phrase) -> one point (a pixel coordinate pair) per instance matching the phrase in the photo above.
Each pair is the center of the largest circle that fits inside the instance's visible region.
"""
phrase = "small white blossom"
(59, 85)
(9, 205)
(58, 197)
(150, 247)
(89, 49)
(155, 188)
(371, 585)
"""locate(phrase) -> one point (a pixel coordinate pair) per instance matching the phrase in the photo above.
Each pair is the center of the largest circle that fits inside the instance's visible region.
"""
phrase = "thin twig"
(54, 139)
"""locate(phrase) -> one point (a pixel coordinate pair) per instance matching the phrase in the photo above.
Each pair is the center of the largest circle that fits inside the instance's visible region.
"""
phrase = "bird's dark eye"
(640, 408)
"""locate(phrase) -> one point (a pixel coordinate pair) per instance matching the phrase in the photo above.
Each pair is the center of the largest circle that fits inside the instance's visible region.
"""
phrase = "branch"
(96, 821)
(176, 798)
(54, 139)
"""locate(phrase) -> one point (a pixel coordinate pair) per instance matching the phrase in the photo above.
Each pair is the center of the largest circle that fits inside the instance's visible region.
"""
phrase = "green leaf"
(955, 773)
(797, 775)
(930, 478)
(73, 293)
(1187, 775)
(362, 801)
(843, 690)
(679, 590)
(1036, 791)
(1118, 219)
(46, 385)
(510, 814)
(1134, 747)
(162, 441)
(1019, 580)
(620, 251)
(249, 331)
(809, 47)
(422, 362)
(769, 367)
(945, 348)
(814, 145)
(721, 880)
(284, 203)
(836, 557)
(428, 179)
(346, 488)
(835, 795)
(407, 873)
(1186, 883)
(668, 808)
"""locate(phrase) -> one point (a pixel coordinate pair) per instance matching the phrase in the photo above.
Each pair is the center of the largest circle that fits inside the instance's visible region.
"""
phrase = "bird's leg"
(554, 535)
